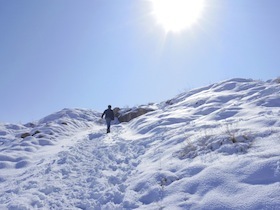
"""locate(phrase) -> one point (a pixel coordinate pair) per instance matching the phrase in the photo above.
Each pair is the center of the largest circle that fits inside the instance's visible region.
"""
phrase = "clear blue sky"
(91, 53)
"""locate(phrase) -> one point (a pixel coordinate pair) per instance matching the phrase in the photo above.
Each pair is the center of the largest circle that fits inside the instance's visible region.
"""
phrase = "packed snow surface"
(217, 147)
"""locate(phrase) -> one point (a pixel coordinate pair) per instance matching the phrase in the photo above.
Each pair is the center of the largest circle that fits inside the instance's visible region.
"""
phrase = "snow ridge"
(216, 147)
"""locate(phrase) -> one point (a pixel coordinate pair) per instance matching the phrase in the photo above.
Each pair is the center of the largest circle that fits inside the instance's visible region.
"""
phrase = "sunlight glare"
(176, 15)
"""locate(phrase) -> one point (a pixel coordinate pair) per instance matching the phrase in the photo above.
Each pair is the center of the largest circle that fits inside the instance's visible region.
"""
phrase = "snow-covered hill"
(216, 147)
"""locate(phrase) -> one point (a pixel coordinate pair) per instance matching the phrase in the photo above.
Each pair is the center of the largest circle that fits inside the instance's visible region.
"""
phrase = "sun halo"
(177, 15)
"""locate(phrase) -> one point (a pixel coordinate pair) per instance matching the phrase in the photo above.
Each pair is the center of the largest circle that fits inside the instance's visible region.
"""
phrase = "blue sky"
(91, 53)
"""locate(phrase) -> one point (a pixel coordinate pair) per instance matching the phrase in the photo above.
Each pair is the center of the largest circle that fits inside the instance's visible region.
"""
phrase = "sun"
(176, 15)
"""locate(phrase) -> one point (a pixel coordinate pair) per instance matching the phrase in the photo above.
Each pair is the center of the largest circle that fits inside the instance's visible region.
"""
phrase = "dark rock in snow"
(25, 135)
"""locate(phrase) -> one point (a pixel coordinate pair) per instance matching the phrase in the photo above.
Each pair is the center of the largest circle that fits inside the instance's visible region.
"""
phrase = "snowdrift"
(215, 147)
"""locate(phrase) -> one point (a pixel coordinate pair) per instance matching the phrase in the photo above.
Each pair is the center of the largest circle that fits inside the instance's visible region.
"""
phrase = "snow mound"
(18, 143)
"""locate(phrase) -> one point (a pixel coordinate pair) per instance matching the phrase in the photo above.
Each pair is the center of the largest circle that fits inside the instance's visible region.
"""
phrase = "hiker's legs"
(108, 122)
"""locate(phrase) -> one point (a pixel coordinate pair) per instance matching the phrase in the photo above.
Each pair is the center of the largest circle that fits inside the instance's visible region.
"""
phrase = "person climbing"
(109, 116)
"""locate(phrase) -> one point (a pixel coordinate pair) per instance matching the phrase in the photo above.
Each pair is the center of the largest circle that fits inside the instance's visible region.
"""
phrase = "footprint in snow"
(94, 136)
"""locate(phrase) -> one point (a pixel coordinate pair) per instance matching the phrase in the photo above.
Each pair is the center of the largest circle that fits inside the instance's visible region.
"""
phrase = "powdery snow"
(216, 147)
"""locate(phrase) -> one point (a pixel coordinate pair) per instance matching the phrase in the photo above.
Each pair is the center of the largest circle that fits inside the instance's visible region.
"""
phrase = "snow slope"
(216, 147)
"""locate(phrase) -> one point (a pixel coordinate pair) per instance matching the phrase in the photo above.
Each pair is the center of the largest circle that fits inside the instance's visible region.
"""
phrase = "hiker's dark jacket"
(108, 114)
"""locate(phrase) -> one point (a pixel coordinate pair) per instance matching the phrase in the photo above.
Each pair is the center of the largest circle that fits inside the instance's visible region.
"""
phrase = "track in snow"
(89, 175)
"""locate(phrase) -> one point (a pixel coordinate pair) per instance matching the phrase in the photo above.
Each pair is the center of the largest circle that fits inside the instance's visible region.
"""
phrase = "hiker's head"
(109, 106)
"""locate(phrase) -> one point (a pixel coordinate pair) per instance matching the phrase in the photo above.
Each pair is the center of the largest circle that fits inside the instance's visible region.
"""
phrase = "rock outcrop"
(130, 114)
